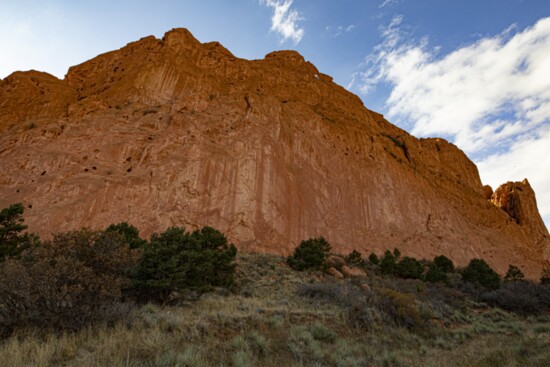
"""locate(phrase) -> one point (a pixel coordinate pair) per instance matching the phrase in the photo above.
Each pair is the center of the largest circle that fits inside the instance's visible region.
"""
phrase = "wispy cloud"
(387, 3)
(492, 97)
(337, 31)
(285, 20)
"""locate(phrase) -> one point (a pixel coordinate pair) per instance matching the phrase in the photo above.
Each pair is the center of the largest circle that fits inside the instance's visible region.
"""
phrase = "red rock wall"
(175, 132)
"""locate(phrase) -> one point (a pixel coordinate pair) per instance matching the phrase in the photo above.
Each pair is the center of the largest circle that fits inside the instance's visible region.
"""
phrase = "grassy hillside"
(276, 316)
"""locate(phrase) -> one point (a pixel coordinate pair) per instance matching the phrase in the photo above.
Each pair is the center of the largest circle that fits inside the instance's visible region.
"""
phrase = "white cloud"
(387, 3)
(285, 20)
(337, 31)
(489, 96)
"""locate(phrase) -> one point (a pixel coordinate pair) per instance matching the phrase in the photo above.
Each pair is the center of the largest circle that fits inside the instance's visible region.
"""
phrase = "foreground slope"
(274, 316)
(176, 132)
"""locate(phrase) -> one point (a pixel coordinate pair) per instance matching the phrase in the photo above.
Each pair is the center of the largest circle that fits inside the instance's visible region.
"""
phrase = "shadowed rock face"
(176, 132)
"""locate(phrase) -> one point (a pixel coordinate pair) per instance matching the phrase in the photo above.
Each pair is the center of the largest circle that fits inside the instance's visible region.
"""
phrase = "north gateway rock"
(175, 132)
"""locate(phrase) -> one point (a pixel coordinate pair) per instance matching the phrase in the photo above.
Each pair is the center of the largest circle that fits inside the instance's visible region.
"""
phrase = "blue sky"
(476, 72)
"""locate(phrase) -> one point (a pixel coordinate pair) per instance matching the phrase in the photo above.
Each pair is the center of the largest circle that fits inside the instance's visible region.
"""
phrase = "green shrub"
(520, 296)
(344, 295)
(322, 333)
(435, 274)
(12, 240)
(71, 281)
(390, 301)
(130, 234)
(514, 273)
(310, 255)
(304, 347)
(444, 263)
(479, 272)
(409, 268)
(373, 259)
(399, 308)
(354, 258)
(388, 263)
(177, 261)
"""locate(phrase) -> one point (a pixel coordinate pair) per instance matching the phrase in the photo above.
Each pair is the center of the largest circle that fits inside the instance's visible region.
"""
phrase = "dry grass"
(264, 322)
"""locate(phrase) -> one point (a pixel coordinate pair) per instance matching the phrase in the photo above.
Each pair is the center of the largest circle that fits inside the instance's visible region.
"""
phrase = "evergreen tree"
(311, 254)
(396, 253)
(545, 276)
(409, 268)
(479, 272)
(130, 233)
(514, 273)
(388, 263)
(435, 274)
(373, 259)
(444, 263)
(12, 240)
(176, 260)
(354, 258)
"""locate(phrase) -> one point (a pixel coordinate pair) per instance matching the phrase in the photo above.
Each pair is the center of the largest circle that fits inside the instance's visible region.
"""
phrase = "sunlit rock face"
(174, 132)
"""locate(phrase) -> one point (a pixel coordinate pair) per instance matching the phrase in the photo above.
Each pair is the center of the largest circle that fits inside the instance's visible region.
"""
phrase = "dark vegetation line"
(86, 277)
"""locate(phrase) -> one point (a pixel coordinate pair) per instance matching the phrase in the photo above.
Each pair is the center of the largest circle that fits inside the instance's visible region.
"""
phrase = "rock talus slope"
(172, 131)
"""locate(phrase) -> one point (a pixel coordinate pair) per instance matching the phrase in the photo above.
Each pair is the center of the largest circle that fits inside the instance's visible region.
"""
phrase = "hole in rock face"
(30, 206)
(86, 170)
(129, 169)
(43, 173)
(94, 168)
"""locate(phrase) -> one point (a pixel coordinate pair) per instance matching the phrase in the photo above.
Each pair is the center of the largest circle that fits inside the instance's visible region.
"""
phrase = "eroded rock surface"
(176, 132)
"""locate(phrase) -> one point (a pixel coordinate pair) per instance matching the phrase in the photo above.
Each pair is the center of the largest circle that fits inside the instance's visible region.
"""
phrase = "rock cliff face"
(175, 132)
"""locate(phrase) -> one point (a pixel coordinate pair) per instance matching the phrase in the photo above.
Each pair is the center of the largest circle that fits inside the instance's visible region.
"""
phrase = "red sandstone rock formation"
(175, 132)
